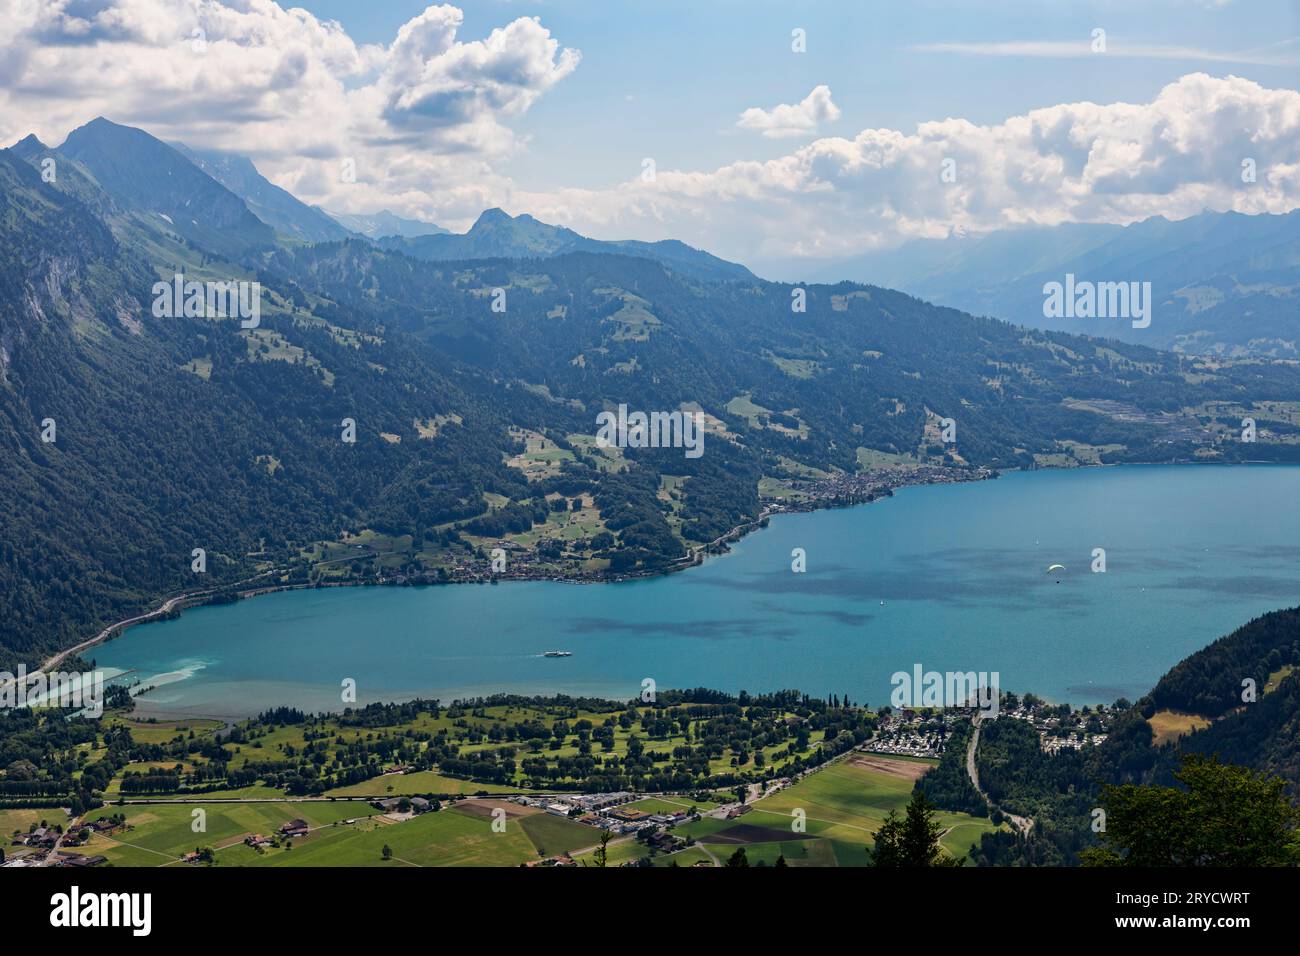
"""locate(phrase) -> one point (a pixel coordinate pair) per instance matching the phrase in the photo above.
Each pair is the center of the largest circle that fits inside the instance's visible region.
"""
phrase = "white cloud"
(797, 119)
(423, 118)
(1175, 156)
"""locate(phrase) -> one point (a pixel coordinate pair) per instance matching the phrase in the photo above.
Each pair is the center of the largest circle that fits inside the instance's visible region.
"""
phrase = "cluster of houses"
(42, 840)
(1072, 742)
(393, 805)
(913, 734)
(1052, 735)
(910, 734)
(627, 820)
(288, 831)
(874, 483)
(39, 838)
(664, 841)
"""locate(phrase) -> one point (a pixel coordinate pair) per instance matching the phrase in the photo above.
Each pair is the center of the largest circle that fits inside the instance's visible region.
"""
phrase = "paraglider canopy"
(1055, 567)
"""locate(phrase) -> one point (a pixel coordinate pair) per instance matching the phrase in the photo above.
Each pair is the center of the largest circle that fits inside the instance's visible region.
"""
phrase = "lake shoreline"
(949, 577)
(171, 608)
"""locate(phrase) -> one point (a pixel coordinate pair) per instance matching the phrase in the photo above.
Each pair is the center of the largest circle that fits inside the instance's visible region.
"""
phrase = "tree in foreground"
(913, 840)
(738, 858)
(601, 856)
(1223, 815)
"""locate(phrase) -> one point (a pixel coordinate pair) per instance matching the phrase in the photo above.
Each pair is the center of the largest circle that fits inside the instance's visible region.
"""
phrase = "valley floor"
(825, 818)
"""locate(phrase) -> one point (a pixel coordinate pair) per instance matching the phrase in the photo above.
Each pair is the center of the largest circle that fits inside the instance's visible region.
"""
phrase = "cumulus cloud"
(798, 119)
(423, 118)
(1175, 156)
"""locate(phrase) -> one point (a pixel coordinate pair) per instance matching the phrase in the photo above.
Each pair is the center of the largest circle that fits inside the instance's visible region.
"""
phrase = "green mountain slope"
(176, 433)
(861, 367)
(145, 174)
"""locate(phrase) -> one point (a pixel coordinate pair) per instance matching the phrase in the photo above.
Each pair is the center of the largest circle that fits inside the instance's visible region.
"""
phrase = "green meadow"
(450, 837)
(412, 784)
(842, 805)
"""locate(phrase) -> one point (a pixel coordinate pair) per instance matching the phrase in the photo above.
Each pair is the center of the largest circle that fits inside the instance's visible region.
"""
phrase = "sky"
(700, 121)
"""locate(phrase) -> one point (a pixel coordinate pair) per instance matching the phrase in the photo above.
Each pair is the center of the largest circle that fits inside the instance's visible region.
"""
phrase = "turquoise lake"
(951, 577)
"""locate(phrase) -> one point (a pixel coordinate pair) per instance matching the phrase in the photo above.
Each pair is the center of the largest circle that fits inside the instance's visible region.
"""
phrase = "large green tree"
(1223, 815)
(912, 840)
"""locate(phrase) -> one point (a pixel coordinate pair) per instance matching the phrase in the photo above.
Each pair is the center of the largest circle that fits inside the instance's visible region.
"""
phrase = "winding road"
(1022, 824)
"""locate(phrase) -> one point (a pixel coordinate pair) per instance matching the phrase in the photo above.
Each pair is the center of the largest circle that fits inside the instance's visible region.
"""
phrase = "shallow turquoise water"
(1192, 552)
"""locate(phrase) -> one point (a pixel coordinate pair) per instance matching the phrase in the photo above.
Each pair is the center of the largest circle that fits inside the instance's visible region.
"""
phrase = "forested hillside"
(862, 367)
(1250, 726)
(177, 434)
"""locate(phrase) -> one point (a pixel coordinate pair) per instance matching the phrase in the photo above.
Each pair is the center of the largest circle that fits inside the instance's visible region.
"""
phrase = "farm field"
(162, 731)
(24, 819)
(455, 836)
(255, 791)
(1167, 725)
(844, 804)
(411, 784)
(688, 857)
(159, 834)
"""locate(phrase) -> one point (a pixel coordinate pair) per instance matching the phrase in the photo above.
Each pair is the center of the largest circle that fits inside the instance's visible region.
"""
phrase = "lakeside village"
(839, 490)
(914, 733)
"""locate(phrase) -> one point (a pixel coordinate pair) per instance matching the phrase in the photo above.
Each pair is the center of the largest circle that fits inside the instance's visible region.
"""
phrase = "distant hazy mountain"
(276, 207)
(499, 235)
(146, 174)
(1221, 282)
(28, 147)
(384, 223)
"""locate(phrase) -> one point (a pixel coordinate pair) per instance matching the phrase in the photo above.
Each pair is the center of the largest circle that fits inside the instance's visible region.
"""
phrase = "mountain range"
(497, 235)
(1223, 283)
(276, 207)
(472, 386)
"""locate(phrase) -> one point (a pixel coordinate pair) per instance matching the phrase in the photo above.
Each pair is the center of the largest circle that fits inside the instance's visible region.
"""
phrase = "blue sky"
(667, 78)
